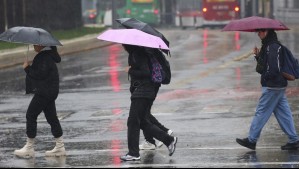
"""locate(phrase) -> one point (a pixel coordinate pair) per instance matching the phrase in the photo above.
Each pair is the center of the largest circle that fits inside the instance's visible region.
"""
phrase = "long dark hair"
(54, 49)
(271, 37)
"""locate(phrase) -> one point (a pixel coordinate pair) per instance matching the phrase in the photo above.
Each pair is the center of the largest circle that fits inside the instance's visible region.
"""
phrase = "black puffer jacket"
(42, 76)
(140, 74)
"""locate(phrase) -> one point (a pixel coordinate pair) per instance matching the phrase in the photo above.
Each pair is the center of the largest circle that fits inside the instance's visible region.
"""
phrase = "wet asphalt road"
(210, 102)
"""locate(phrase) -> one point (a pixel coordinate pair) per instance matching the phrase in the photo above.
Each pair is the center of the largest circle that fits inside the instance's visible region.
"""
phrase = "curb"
(14, 57)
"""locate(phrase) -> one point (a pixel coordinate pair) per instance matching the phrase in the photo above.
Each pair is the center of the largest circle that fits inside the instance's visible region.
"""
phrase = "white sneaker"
(129, 158)
(160, 143)
(147, 146)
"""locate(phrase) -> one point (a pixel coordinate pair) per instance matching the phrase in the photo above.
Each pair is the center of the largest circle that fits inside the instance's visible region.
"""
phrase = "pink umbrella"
(133, 37)
(251, 24)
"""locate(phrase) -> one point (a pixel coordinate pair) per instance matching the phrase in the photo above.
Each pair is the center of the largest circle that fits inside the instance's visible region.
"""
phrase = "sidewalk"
(13, 57)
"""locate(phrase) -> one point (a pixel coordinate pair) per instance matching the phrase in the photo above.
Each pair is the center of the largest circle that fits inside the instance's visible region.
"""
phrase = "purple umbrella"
(251, 24)
(133, 37)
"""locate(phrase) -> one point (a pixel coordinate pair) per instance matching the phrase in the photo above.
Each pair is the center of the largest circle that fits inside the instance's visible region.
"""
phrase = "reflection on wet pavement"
(210, 102)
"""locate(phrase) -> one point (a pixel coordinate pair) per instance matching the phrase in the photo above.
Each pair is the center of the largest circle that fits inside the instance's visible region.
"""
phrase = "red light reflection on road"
(116, 111)
(114, 51)
(237, 41)
(205, 46)
(115, 145)
(116, 126)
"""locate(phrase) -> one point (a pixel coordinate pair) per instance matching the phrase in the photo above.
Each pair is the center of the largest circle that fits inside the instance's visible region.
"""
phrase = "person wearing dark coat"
(150, 143)
(42, 80)
(142, 95)
(273, 99)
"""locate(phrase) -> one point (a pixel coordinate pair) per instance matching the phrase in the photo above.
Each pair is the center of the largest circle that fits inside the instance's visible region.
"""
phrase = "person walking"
(150, 143)
(42, 80)
(142, 95)
(273, 99)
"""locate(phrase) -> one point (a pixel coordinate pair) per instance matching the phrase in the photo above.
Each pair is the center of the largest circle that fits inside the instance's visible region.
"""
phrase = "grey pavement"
(210, 102)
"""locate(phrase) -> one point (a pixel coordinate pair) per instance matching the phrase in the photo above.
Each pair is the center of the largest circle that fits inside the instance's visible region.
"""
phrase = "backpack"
(160, 68)
(157, 71)
(290, 65)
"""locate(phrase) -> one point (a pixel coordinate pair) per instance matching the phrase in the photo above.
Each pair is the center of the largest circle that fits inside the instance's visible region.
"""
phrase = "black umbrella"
(29, 35)
(136, 24)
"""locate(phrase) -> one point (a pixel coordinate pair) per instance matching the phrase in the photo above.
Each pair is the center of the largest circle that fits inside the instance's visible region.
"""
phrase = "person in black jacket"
(42, 80)
(142, 95)
(273, 99)
(150, 143)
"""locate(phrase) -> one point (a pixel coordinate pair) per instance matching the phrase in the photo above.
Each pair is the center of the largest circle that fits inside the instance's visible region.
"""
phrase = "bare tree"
(24, 11)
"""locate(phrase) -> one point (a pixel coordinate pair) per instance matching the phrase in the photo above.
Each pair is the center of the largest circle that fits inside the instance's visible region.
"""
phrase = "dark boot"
(290, 146)
(246, 143)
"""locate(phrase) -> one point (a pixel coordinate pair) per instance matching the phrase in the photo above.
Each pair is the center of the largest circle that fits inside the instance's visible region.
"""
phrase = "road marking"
(216, 109)
(202, 164)
(197, 148)
(60, 115)
(242, 57)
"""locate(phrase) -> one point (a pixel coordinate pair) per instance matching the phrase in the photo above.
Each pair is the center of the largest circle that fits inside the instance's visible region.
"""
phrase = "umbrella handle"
(27, 53)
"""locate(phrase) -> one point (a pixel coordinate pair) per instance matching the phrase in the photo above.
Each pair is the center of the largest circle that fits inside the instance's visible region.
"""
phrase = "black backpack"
(161, 58)
(290, 66)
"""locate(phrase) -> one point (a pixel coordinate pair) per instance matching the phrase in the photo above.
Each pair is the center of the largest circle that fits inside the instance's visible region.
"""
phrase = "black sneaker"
(246, 143)
(171, 147)
(291, 146)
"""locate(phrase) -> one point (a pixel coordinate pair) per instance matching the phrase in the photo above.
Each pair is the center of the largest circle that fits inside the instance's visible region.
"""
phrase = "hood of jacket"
(54, 55)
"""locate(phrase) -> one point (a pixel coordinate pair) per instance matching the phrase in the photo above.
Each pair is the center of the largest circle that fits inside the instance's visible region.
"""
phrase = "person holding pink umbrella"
(142, 95)
(142, 87)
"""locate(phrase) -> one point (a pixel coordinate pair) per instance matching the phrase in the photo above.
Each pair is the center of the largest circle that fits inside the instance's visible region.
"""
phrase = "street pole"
(114, 26)
(271, 9)
(254, 7)
(243, 7)
(5, 15)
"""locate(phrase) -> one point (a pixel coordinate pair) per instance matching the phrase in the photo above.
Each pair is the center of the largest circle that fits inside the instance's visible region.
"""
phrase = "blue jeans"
(273, 101)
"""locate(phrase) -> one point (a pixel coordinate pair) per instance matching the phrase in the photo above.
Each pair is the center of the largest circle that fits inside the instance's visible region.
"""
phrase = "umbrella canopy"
(144, 27)
(133, 37)
(251, 24)
(29, 35)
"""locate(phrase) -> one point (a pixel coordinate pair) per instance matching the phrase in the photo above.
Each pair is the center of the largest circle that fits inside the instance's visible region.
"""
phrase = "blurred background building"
(287, 11)
(188, 12)
(48, 14)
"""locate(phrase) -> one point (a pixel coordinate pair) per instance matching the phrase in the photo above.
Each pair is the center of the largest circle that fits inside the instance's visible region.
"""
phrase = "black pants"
(148, 137)
(138, 119)
(37, 105)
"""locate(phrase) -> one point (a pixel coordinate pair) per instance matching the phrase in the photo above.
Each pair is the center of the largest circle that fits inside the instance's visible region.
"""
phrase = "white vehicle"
(189, 13)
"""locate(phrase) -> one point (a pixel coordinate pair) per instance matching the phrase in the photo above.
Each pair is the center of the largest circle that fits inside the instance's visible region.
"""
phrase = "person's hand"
(26, 64)
(256, 51)
(127, 69)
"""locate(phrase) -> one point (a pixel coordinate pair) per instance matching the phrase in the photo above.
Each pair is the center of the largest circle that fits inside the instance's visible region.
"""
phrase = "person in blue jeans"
(273, 99)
